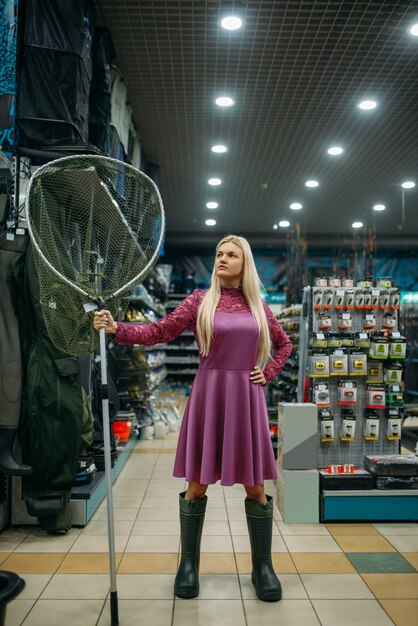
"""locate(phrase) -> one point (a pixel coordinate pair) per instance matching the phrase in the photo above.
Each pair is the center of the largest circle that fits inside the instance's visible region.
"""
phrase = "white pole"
(108, 476)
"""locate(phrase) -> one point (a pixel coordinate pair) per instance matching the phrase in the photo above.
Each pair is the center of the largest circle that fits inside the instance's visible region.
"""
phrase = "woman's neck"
(233, 284)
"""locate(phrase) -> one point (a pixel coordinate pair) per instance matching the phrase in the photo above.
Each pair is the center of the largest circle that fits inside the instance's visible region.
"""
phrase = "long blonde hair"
(251, 285)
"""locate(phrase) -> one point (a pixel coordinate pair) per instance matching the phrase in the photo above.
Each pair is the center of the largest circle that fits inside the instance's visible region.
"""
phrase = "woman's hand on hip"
(257, 376)
(104, 319)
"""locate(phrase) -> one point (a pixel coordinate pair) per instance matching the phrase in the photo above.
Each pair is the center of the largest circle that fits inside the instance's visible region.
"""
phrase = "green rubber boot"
(192, 516)
(260, 529)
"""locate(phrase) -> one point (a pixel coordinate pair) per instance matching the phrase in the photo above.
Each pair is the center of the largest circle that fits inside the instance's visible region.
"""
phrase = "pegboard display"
(352, 355)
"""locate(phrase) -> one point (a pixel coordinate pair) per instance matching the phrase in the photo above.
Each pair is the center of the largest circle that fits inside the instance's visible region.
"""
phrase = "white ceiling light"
(219, 149)
(284, 224)
(408, 184)
(379, 207)
(296, 206)
(225, 101)
(214, 181)
(357, 224)
(231, 22)
(210, 222)
(312, 183)
(275, 226)
(212, 205)
(367, 105)
(335, 150)
(414, 30)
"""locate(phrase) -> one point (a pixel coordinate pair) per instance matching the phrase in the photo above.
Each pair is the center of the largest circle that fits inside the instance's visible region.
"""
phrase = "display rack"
(182, 353)
(284, 387)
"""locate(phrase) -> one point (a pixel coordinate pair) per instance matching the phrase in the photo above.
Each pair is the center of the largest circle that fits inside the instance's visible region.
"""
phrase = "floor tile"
(77, 586)
(393, 585)
(351, 613)
(292, 587)
(397, 529)
(217, 563)
(338, 530)
(239, 527)
(216, 543)
(219, 587)
(411, 557)
(208, 613)
(143, 563)
(34, 586)
(302, 529)
(33, 563)
(160, 528)
(87, 563)
(364, 544)
(3, 556)
(236, 515)
(17, 610)
(94, 543)
(380, 563)
(127, 502)
(145, 586)
(158, 515)
(404, 543)
(216, 527)
(282, 563)
(48, 543)
(119, 514)
(242, 543)
(322, 563)
(311, 543)
(402, 612)
(152, 502)
(99, 528)
(152, 543)
(285, 613)
(64, 613)
(336, 587)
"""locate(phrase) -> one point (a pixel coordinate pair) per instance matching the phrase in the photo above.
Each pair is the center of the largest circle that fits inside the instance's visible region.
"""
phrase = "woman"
(225, 431)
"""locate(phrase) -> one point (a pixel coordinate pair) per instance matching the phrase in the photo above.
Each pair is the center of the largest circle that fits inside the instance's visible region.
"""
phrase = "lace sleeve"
(282, 346)
(168, 328)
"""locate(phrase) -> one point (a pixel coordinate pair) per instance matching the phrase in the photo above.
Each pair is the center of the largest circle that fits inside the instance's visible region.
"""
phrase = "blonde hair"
(250, 284)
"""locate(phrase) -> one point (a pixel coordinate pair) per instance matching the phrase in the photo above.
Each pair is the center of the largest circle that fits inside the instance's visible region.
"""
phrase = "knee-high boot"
(192, 516)
(260, 529)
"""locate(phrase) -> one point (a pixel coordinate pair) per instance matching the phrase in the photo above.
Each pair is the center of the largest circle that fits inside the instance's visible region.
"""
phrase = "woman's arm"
(282, 346)
(168, 328)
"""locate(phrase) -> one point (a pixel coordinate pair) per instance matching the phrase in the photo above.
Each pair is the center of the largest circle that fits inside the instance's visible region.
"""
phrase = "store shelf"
(370, 505)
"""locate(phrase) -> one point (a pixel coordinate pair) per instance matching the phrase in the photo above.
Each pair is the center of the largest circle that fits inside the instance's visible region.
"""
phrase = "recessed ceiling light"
(335, 150)
(367, 105)
(312, 183)
(284, 224)
(357, 224)
(212, 205)
(414, 30)
(408, 184)
(210, 222)
(296, 206)
(225, 101)
(219, 149)
(275, 226)
(214, 181)
(379, 207)
(231, 22)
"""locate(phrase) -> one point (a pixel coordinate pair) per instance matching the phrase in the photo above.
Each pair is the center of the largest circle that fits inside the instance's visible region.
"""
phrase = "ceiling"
(297, 71)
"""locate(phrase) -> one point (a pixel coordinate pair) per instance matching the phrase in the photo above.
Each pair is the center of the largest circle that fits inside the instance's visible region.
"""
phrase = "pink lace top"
(185, 315)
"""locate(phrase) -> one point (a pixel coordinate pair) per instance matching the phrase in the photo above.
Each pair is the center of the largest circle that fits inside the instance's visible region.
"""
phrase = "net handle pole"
(108, 477)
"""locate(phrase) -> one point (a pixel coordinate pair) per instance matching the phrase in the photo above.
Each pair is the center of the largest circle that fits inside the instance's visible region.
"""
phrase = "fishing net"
(96, 225)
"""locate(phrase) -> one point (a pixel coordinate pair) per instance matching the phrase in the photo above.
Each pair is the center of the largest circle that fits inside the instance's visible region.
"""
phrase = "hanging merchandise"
(357, 363)
(362, 340)
(384, 283)
(338, 363)
(348, 282)
(326, 425)
(397, 346)
(394, 395)
(365, 283)
(379, 347)
(334, 281)
(317, 299)
(393, 423)
(319, 365)
(375, 397)
(321, 282)
(371, 425)
(347, 392)
(389, 320)
(392, 372)
(349, 299)
(320, 394)
(328, 299)
(369, 322)
(374, 372)
(394, 301)
(347, 340)
(359, 300)
(344, 321)
(318, 340)
(324, 320)
(367, 299)
(348, 429)
(339, 299)
(375, 299)
(384, 300)
(334, 340)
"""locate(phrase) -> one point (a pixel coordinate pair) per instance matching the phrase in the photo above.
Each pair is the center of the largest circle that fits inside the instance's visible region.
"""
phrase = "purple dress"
(225, 431)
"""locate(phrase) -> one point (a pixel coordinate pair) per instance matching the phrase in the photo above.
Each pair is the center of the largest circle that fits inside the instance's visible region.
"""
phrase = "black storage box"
(392, 464)
(396, 482)
(360, 479)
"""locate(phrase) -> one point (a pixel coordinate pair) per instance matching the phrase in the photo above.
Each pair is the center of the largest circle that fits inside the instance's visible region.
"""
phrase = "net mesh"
(96, 225)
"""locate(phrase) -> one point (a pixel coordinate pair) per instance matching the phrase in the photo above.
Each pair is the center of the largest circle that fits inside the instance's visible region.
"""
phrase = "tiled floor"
(334, 575)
